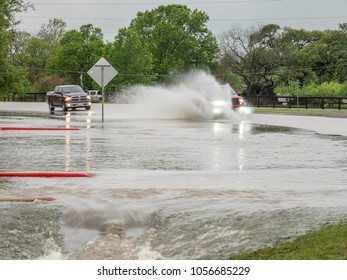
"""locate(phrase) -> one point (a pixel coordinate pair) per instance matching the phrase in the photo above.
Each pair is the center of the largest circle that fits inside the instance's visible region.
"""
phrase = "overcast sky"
(110, 15)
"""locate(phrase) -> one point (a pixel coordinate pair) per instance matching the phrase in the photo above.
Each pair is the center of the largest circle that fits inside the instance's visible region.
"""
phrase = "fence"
(294, 102)
(28, 97)
(255, 101)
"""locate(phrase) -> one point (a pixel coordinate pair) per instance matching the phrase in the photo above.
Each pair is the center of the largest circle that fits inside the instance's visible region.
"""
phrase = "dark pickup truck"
(68, 97)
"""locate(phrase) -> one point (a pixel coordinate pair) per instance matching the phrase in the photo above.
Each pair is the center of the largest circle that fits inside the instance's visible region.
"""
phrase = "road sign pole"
(102, 73)
(297, 94)
(102, 92)
(102, 89)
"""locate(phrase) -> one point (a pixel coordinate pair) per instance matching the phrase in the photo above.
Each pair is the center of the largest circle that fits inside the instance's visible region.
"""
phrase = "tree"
(266, 56)
(47, 83)
(12, 80)
(132, 59)
(296, 56)
(331, 56)
(77, 52)
(246, 53)
(178, 39)
(18, 47)
(32, 52)
(52, 32)
(38, 52)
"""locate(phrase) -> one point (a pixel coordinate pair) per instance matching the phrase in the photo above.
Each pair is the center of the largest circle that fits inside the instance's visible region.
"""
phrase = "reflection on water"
(241, 158)
(68, 119)
(67, 151)
(68, 142)
(88, 154)
(217, 128)
(89, 119)
(242, 129)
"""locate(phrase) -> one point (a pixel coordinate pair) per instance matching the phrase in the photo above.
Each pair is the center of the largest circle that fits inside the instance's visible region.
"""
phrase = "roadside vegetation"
(327, 243)
(162, 44)
(303, 112)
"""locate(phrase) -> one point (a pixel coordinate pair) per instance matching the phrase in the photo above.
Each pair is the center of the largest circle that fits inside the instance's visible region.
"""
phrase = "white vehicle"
(95, 95)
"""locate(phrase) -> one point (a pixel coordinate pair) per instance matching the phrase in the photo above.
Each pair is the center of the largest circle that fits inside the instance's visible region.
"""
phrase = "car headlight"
(89, 98)
(219, 103)
(216, 111)
(67, 98)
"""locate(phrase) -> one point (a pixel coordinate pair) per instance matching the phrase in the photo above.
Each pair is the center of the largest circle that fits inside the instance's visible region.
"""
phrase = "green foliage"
(286, 90)
(12, 79)
(47, 83)
(32, 52)
(37, 54)
(228, 77)
(52, 32)
(178, 39)
(267, 55)
(173, 39)
(132, 59)
(77, 52)
(327, 243)
(326, 89)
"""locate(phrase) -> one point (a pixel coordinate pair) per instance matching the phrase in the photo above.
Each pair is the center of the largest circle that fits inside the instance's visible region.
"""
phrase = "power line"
(187, 74)
(276, 19)
(156, 3)
(216, 19)
(76, 18)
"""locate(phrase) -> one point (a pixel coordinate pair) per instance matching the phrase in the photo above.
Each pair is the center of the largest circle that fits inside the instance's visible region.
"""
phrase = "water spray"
(194, 96)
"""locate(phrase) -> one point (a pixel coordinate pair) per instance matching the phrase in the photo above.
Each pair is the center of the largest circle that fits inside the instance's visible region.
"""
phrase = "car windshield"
(72, 89)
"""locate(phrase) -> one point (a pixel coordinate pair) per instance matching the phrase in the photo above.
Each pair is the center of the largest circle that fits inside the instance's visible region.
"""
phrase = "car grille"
(79, 98)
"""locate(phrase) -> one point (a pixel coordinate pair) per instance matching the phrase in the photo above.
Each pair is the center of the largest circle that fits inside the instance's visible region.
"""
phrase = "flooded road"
(166, 184)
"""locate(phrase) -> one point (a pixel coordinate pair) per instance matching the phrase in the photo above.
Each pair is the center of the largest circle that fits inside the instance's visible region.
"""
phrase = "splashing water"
(195, 96)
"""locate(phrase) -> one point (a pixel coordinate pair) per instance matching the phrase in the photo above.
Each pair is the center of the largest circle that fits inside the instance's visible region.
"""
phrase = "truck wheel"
(64, 107)
(51, 108)
(87, 108)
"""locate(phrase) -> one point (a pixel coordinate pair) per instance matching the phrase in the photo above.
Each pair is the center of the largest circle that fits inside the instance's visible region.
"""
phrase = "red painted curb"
(26, 199)
(37, 128)
(44, 174)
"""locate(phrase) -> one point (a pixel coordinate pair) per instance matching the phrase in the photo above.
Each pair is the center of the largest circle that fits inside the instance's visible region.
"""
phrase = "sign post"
(102, 72)
(297, 93)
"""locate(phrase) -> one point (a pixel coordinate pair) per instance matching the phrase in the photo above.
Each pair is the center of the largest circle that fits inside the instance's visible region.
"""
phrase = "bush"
(47, 83)
(326, 89)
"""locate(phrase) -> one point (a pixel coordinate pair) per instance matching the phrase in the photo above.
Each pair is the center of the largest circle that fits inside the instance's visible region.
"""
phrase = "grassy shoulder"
(327, 243)
(302, 112)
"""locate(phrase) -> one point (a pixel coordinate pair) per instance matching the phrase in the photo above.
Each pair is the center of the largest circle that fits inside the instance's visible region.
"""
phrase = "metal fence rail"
(294, 102)
(339, 103)
(27, 97)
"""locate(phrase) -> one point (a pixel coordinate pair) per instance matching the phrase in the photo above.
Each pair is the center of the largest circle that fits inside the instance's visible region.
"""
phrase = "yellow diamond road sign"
(102, 72)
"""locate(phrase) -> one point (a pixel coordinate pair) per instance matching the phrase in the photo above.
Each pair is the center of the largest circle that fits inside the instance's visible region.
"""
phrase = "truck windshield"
(72, 89)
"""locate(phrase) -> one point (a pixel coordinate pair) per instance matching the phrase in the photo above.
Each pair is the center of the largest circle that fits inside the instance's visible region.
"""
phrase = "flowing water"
(169, 181)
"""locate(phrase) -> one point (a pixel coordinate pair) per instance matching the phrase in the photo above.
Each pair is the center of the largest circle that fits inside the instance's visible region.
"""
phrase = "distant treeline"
(162, 44)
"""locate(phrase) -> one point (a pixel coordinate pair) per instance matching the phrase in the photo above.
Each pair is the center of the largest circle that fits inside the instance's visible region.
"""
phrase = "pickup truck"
(95, 95)
(68, 97)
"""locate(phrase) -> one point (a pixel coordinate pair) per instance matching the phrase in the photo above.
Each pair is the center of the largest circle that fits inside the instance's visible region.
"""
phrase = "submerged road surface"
(167, 182)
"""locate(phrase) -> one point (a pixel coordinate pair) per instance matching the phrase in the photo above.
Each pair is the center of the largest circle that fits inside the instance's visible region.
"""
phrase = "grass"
(327, 243)
(303, 112)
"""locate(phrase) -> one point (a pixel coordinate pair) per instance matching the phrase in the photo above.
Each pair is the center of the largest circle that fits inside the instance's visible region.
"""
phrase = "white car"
(95, 95)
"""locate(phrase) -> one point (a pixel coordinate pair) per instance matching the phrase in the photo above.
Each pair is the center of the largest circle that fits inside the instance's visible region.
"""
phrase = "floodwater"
(165, 185)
